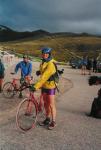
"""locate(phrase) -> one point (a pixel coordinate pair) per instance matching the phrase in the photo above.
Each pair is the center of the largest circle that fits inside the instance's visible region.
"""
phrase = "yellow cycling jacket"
(47, 69)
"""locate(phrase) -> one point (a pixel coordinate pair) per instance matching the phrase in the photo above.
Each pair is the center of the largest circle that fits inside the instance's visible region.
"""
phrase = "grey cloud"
(52, 15)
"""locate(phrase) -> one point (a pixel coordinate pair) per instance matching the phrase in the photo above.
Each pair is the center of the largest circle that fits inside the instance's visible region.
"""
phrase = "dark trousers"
(96, 108)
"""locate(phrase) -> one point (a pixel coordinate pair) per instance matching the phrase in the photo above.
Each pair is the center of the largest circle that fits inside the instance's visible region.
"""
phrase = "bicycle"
(12, 88)
(29, 111)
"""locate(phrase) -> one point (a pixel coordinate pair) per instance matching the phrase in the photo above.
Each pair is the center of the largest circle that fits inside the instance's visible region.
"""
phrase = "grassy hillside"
(65, 47)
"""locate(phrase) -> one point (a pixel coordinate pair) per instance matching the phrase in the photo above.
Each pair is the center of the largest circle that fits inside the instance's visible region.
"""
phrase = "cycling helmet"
(46, 50)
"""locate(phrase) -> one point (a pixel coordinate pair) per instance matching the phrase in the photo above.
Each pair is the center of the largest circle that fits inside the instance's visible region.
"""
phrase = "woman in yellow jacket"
(48, 86)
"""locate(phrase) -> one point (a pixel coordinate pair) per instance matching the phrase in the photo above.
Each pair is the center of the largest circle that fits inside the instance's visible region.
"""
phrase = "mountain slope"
(7, 34)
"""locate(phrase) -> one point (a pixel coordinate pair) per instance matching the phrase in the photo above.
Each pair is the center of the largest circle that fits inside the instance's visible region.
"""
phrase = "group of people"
(46, 83)
(88, 64)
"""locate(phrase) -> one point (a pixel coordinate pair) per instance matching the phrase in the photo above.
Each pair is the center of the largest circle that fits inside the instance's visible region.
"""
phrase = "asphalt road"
(74, 130)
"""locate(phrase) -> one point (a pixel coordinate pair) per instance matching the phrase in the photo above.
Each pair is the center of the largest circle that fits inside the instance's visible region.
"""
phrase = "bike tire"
(26, 115)
(8, 90)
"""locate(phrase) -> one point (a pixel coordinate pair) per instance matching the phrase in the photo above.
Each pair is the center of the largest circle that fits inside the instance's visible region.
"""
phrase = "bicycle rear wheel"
(26, 115)
(8, 90)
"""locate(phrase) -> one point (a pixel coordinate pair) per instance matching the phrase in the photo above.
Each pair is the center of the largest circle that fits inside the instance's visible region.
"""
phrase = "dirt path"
(74, 131)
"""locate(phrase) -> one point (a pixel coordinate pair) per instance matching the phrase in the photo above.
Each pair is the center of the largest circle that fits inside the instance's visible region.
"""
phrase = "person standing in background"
(89, 65)
(84, 65)
(2, 69)
(94, 65)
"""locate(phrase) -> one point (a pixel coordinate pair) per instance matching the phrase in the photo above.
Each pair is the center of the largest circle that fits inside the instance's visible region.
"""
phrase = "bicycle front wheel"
(26, 115)
(8, 90)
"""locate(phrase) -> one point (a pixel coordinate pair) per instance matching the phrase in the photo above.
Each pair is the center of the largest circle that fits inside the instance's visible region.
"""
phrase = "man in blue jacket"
(26, 68)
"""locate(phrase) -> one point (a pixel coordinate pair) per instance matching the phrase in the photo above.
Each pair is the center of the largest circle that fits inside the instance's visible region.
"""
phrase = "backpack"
(55, 76)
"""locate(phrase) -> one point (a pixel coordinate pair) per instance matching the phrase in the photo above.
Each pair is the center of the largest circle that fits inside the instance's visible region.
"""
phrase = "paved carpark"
(74, 130)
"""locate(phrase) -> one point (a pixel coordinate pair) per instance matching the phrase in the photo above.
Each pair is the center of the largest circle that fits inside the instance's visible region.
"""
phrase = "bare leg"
(52, 106)
(46, 105)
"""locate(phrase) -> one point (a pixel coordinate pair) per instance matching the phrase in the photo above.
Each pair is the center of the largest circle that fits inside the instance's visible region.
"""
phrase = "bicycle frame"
(19, 88)
(34, 100)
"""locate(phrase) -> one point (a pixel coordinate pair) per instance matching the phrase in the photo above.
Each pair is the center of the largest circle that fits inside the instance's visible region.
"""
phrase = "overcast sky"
(52, 15)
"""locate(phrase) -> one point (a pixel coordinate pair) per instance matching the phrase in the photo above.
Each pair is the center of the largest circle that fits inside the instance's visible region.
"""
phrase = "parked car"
(76, 64)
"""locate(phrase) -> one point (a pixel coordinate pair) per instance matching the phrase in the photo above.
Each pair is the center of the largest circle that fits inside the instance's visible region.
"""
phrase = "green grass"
(64, 47)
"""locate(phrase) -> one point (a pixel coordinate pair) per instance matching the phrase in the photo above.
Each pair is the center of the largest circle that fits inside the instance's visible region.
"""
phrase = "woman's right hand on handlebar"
(32, 88)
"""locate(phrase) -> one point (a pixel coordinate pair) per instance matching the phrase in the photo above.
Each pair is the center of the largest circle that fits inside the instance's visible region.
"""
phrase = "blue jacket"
(84, 62)
(26, 68)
